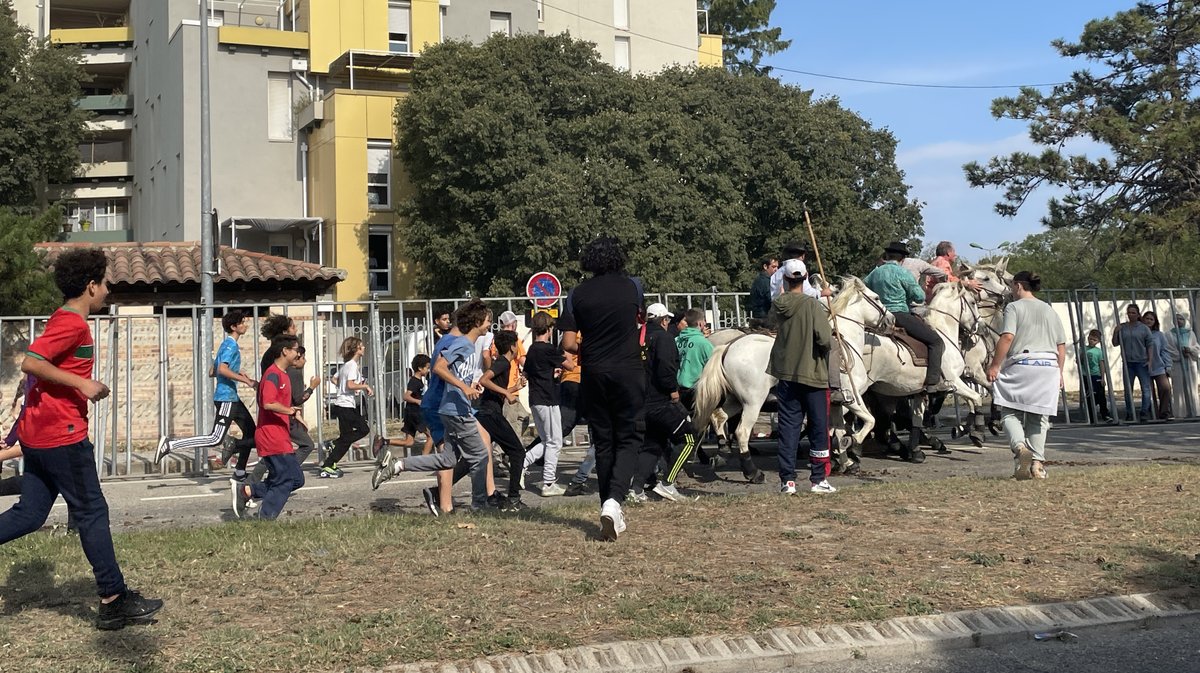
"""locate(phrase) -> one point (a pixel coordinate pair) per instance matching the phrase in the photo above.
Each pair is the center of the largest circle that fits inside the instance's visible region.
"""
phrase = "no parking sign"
(543, 289)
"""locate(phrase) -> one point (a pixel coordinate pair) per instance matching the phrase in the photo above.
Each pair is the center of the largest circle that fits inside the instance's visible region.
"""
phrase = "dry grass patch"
(364, 592)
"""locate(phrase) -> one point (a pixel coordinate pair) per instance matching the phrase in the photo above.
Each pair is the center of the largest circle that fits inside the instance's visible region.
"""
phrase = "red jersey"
(56, 415)
(272, 436)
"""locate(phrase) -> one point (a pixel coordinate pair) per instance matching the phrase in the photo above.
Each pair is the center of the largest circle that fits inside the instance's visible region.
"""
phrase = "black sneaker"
(513, 504)
(431, 500)
(495, 500)
(576, 488)
(240, 498)
(129, 608)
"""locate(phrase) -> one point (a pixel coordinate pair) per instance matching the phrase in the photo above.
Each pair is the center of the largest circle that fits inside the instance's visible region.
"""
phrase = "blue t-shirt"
(464, 361)
(433, 394)
(229, 354)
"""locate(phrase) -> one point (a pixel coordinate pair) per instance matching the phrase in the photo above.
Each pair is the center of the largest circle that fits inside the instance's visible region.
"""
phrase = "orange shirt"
(514, 372)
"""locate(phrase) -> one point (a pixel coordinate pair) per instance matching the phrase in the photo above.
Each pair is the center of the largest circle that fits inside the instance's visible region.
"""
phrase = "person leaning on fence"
(351, 425)
(276, 412)
(1161, 371)
(53, 432)
(1136, 343)
(1027, 374)
(1185, 352)
(799, 360)
(226, 370)
(1096, 366)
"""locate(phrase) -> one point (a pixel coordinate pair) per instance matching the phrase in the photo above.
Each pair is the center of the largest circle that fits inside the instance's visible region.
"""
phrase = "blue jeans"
(1141, 372)
(70, 471)
(285, 477)
(796, 402)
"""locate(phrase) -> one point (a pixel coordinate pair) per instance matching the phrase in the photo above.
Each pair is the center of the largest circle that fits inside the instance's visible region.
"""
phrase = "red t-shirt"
(271, 437)
(56, 415)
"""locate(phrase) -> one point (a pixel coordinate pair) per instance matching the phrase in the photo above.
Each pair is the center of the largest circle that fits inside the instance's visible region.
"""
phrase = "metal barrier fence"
(153, 367)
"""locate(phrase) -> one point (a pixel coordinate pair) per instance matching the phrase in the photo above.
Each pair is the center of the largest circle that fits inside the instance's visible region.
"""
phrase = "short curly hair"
(471, 315)
(275, 325)
(74, 269)
(603, 255)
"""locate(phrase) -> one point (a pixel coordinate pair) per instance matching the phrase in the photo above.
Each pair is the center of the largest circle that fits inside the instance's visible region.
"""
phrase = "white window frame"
(506, 18)
(386, 265)
(374, 147)
(279, 107)
(621, 14)
(397, 46)
(622, 46)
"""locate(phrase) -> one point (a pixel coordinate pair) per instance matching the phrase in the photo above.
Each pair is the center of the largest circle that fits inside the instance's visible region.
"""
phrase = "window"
(379, 174)
(399, 25)
(100, 215)
(279, 106)
(379, 260)
(621, 53)
(284, 251)
(541, 10)
(621, 14)
(502, 23)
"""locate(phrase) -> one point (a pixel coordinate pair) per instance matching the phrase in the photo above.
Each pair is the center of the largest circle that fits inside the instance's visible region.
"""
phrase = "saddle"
(918, 350)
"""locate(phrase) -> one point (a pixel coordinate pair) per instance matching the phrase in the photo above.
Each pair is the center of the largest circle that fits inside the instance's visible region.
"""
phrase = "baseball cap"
(507, 318)
(794, 268)
(656, 311)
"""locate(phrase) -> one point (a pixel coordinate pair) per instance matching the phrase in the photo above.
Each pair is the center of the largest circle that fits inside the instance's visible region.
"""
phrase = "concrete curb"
(800, 646)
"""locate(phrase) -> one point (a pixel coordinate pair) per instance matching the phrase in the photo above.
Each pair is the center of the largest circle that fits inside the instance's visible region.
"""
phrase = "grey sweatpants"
(463, 443)
(548, 420)
(1028, 428)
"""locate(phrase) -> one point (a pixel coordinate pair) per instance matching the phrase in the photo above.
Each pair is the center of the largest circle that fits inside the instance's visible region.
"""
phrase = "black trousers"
(615, 405)
(351, 428)
(922, 332)
(670, 437)
(503, 434)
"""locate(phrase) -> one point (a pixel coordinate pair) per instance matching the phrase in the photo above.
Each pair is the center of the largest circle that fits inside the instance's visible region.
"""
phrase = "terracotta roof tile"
(172, 262)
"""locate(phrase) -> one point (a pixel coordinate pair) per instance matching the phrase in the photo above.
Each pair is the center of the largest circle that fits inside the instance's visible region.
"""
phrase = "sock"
(398, 466)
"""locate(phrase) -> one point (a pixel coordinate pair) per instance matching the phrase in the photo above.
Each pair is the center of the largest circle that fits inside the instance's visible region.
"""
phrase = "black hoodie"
(662, 365)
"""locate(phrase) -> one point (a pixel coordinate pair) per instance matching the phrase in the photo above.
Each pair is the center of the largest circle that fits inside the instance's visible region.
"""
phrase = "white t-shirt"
(348, 372)
(777, 286)
(482, 345)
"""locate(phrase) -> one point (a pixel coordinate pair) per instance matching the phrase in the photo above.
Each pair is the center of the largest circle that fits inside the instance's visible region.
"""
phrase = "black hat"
(897, 247)
(794, 249)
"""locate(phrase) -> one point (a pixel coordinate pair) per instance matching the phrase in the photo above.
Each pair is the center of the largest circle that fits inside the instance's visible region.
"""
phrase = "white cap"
(794, 268)
(508, 318)
(657, 311)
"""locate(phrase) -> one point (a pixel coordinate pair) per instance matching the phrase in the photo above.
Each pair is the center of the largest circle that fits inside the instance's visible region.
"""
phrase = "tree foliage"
(40, 131)
(746, 33)
(523, 149)
(1141, 106)
(1072, 258)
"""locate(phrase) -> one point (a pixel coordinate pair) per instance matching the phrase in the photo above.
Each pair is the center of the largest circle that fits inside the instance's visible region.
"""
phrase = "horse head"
(957, 302)
(857, 302)
(994, 279)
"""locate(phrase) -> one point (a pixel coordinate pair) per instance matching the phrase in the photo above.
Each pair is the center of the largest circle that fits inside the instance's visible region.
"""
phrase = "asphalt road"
(1155, 650)
(185, 502)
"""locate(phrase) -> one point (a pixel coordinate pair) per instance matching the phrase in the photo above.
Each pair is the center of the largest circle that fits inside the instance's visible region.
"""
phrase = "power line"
(860, 80)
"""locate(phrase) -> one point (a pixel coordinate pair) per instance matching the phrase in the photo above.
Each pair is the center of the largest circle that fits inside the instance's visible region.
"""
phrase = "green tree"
(40, 131)
(1141, 106)
(523, 149)
(746, 35)
(1072, 258)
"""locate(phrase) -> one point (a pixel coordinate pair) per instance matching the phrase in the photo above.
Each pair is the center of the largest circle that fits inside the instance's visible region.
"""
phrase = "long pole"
(820, 267)
(207, 254)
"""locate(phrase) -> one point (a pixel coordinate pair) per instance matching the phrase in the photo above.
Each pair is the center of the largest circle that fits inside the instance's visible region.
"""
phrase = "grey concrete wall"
(671, 21)
(471, 19)
(29, 16)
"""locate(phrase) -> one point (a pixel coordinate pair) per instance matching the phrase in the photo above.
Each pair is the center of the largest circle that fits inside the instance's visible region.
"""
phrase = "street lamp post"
(991, 252)
(207, 252)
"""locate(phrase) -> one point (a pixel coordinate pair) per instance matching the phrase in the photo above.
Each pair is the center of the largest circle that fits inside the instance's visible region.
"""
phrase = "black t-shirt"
(416, 388)
(491, 400)
(604, 310)
(540, 363)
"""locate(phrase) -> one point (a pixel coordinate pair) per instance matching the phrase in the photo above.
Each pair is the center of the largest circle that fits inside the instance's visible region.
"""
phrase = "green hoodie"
(694, 352)
(800, 353)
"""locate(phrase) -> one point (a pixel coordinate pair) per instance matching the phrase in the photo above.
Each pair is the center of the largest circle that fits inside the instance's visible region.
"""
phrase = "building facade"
(302, 100)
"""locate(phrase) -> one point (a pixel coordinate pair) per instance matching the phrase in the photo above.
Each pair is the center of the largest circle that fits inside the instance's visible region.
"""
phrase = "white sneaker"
(668, 492)
(823, 487)
(1023, 463)
(612, 520)
(552, 489)
(788, 488)
(634, 497)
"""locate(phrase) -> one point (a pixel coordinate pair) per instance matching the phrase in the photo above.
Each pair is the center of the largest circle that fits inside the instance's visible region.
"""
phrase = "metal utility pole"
(207, 253)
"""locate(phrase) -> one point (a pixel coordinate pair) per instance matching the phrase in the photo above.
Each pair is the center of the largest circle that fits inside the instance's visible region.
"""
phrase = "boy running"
(491, 413)
(273, 436)
(542, 365)
(59, 459)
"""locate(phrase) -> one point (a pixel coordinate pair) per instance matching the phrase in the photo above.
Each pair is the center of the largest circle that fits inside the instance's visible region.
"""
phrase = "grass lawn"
(361, 592)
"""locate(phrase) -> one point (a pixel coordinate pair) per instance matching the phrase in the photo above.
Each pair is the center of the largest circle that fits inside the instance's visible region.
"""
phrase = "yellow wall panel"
(710, 52)
(426, 24)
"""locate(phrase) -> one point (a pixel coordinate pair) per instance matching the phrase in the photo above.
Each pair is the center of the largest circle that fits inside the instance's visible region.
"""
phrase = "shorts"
(414, 423)
(433, 422)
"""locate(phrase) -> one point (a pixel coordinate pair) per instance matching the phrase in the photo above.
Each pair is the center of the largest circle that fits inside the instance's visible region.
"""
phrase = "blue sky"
(939, 42)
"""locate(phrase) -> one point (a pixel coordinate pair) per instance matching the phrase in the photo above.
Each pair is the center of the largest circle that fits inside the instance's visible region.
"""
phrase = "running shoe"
(385, 469)
(788, 488)
(668, 492)
(431, 500)
(163, 449)
(552, 489)
(823, 486)
(612, 520)
(238, 490)
(129, 608)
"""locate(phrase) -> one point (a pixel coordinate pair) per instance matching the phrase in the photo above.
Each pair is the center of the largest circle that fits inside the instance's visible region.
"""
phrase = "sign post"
(543, 289)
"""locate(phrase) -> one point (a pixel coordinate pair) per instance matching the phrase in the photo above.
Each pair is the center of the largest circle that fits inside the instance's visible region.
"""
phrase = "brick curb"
(798, 646)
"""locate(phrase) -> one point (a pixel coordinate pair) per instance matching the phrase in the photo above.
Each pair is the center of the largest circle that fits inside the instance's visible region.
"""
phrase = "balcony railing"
(114, 35)
(106, 103)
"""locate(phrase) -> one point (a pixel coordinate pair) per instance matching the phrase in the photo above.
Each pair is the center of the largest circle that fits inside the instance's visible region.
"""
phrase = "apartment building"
(302, 96)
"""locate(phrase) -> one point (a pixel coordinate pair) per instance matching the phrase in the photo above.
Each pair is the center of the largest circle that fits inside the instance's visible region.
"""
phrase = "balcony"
(106, 171)
(264, 38)
(113, 103)
(93, 37)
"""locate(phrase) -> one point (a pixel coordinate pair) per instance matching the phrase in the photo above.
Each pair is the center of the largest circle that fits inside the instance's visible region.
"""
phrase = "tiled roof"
(171, 262)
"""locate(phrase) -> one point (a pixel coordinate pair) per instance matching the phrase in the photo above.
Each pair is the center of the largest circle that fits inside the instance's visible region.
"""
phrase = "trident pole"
(207, 253)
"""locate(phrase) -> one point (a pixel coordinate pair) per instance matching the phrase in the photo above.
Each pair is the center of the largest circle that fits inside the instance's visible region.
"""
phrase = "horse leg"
(913, 452)
(749, 470)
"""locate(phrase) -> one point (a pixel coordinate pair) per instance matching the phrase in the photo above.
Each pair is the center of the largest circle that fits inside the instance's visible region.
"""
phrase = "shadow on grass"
(1147, 570)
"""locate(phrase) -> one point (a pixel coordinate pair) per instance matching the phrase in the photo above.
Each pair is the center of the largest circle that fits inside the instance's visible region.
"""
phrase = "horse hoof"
(917, 456)
(756, 478)
(994, 429)
(956, 432)
(852, 468)
(977, 439)
(846, 442)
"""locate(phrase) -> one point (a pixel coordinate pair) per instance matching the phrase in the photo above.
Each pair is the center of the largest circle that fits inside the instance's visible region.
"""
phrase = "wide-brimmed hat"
(897, 247)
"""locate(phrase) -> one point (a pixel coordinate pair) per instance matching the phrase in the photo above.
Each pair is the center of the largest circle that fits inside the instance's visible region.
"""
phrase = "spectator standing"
(667, 422)
(1161, 371)
(351, 425)
(799, 360)
(53, 432)
(606, 307)
(1136, 343)
(1027, 372)
(1095, 361)
(693, 351)
(759, 303)
(1185, 352)
(443, 322)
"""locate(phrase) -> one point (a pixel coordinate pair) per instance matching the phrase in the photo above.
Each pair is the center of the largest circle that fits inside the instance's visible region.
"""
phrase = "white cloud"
(962, 151)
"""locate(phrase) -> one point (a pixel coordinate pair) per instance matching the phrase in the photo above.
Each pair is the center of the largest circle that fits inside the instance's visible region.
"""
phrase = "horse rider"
(944, 262)
(897, 289)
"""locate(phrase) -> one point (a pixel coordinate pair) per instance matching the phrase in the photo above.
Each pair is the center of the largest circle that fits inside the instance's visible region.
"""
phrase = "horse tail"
(710, 387)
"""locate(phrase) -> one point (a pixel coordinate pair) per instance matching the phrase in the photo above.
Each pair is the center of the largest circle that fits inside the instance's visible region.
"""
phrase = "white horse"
(885, 368)
(735, 380)
(995, 293)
